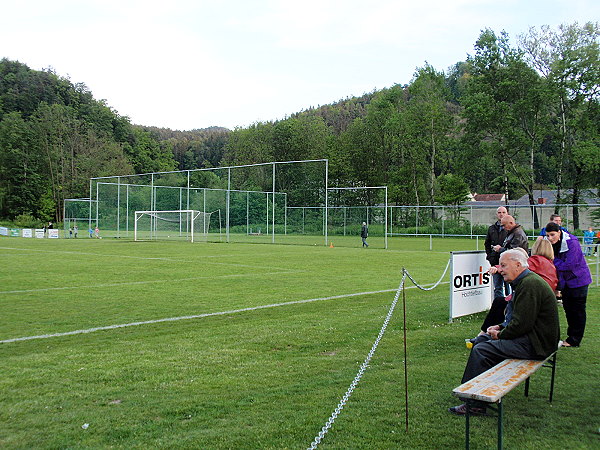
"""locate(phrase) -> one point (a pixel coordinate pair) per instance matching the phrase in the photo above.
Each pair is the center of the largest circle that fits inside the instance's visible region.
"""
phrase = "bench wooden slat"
(495, 383)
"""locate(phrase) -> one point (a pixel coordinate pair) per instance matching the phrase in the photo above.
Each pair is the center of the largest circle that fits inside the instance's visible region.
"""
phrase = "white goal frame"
(190, 216)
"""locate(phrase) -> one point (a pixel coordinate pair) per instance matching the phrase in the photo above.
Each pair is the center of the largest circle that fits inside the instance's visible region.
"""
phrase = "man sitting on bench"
(532, 333)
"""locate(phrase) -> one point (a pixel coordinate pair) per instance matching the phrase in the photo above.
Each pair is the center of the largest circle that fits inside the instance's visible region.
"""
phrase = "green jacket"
(535, 314)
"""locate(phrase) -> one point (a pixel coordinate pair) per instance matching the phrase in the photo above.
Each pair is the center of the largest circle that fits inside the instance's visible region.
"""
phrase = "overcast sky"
(187, 64)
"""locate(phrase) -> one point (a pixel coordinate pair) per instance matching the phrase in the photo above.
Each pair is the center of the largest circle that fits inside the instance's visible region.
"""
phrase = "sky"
(189, 64)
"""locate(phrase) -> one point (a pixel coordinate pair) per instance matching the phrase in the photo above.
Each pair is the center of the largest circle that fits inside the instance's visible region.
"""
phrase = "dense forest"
(511, 118)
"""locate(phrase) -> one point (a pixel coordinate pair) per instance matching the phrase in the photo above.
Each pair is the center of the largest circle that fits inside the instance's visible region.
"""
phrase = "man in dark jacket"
(495, 236)
(516, 237)
(533, 330)
(364, 234)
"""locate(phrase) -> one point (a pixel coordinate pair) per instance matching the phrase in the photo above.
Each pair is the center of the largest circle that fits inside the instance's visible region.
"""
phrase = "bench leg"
(467, 428)
(501, 424)
(553, 366)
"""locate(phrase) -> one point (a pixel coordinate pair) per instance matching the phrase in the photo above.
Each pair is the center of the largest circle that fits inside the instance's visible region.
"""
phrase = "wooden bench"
(492, 385)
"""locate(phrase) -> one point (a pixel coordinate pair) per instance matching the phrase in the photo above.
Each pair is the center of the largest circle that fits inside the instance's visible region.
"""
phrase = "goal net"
(186, 224)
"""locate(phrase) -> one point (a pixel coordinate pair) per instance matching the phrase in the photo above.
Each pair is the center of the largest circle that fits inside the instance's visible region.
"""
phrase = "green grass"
(266, 378)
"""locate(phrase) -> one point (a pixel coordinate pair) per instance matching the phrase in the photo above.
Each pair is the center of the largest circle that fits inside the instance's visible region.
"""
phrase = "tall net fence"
(474, 220)
(247, 203)
(291, 203)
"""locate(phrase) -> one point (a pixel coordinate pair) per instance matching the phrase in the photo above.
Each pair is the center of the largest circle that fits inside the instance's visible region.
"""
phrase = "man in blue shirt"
(557, 220)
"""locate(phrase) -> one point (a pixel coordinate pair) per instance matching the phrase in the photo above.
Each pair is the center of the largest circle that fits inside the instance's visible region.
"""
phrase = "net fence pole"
(228, 198)
(90, 207)
(443, 219)
(97, 205)
(118, 206)
(326, 196)
(152, 208)
(187, 203)
(285, 214)
(190, 215)
(273, 211)
(386, 218)
(127, 210)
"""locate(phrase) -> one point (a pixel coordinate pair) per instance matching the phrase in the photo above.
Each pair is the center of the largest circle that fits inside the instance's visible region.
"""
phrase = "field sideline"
(252, 346)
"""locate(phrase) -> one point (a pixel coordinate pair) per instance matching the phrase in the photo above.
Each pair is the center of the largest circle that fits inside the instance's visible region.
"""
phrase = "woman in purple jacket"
(574, 278)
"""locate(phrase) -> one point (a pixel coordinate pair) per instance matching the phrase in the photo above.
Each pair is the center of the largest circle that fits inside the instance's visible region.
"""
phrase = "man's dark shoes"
(461, 410)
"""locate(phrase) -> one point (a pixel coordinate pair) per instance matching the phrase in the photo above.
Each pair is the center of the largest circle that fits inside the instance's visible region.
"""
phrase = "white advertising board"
(39, 233)
(53, 233)
(471, 286)
(27, 232)
(3, 231)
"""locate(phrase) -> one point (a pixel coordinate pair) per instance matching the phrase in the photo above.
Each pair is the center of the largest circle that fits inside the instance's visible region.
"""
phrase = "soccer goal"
(185, 224)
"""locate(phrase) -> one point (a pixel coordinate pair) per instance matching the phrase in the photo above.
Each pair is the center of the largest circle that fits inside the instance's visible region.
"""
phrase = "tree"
(569, 59)
(427, 120)
(506, 111)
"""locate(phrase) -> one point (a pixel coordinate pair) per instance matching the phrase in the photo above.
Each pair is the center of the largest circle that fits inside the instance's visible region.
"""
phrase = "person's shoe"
(461, 410)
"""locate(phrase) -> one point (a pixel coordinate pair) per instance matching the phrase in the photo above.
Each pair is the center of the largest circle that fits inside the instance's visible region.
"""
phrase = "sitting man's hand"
(493, 332)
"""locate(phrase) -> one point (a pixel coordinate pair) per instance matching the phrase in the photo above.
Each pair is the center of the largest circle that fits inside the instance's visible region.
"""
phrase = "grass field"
(267, 377)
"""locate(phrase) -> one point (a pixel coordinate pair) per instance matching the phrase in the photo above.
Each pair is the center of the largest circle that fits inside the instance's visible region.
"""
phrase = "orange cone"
(331, 245)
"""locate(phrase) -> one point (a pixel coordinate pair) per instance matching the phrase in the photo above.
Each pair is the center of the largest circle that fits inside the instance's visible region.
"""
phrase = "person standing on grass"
(515, 236)
(495, 236)
(588, 240)
(557, 219)
(364, 234)
(533, 330)
(75, 231)
(574, 278)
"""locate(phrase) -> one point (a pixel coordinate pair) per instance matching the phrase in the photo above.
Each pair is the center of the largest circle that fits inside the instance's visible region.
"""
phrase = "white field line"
(147, 258)
(130, 283)
(197, 316)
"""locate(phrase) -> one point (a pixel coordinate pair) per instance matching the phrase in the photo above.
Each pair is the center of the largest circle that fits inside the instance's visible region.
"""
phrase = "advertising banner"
(14, 232)
(471, 286)
(39, 233)
(3, 231)
(27, 232)
(53, 233)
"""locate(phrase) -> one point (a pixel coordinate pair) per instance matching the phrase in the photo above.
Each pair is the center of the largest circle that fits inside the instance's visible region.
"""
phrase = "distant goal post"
(182, 224)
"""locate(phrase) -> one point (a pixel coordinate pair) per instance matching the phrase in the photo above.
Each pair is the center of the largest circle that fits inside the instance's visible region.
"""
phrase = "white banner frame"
(471, 287)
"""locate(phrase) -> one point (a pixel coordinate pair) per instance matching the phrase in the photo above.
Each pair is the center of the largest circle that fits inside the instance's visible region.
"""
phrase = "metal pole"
(273, 211)
(443, 219)
(285, 214)
(247, 213)
(118, 206)
(228, 198)
(326, 196)
(152, 203)
(405, 350)
(127, 209)
(386, 217)
(471, 221)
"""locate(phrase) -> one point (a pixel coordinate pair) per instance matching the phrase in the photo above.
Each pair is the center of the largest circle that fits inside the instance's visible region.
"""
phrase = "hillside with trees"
(511, 118)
